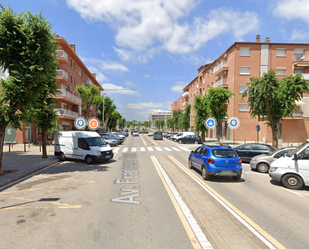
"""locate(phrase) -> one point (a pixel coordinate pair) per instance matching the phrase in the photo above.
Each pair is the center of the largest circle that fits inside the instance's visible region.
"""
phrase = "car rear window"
(158, 133)
(224, 153)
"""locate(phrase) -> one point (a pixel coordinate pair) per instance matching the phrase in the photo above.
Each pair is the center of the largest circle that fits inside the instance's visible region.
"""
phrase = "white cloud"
(147, 76)
(149, 105)
(292, 9)
(129, 83)
(146, 27)
(178, 87)
(299, 35)
(113, 66)
(111, 88)
(99, 76)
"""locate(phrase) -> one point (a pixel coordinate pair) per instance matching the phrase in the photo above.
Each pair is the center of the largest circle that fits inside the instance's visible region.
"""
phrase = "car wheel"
(292, 181)
(205, 174)
(237, 178)
(262, 167)
(62, 157)
(89, 159)
(195, 142)
(190, 163)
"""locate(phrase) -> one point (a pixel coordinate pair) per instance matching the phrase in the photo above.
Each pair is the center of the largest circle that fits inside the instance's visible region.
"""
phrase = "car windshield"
(224, 153)
(298, 148)
(95, 141)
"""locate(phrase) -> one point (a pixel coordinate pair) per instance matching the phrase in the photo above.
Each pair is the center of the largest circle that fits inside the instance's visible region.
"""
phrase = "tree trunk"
(2, 134)
(275, 130)
(219, 132)
(44, 139)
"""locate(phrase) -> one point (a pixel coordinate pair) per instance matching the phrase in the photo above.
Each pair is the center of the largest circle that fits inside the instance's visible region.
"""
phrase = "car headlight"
(273, 169)
(253, 159)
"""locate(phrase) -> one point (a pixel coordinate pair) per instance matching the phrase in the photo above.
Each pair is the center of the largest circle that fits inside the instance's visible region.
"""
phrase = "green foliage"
(159, 124)
(109, 106)
(115, 116)
(89, 96)
(201, 113)
(170, 123)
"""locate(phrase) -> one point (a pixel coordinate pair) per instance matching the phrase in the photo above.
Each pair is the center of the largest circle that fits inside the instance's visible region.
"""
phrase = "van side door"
(302, 164)
(81, 148)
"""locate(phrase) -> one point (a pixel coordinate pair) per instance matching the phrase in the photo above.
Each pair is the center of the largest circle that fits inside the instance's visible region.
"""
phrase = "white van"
(182, 134)
(83, 145)
(292, 170)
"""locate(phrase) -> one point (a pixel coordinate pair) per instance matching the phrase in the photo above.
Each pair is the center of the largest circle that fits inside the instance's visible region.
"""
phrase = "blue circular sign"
(80, 123)
(210, 123)
(233, 123)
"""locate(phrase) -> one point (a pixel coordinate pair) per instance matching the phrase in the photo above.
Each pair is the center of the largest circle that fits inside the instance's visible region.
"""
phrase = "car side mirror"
(295, 157)
(192, 151)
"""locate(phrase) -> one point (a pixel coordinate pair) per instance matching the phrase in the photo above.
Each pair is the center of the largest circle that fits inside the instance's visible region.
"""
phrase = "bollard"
(29, 145)
(9, 147)
(25, 147)
(40, 147)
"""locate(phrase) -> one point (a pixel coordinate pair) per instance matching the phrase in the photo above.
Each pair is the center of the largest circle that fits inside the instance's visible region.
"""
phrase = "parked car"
(150, 133)
(170, 135)
(262, 162)
(135, 133)
(109, 140)
(158, 135)
(113, 136)
(126, 134)
(292, 170)
(216, 161)
(182, 134)
(190, 139)
(247, 151)
(119, 134)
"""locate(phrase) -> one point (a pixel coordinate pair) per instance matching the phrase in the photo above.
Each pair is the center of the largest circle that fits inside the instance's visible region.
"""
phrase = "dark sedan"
(190, 139)
(247, 151)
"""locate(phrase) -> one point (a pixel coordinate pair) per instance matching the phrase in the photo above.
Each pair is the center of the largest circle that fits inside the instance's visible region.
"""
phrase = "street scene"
(154, 124)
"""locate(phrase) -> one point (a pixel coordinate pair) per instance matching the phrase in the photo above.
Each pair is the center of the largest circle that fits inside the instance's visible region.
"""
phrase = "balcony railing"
(63, 56)
(305, 76)
(185, 94)
(221, 83)
(66, 94)
(65, 112)
(299, 57)
(185, 103)
(62, 75)
(221, 67)
(88, 81)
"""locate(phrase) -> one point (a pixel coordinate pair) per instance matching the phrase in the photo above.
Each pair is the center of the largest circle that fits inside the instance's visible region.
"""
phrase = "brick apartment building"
(233, 70)
(70, 73)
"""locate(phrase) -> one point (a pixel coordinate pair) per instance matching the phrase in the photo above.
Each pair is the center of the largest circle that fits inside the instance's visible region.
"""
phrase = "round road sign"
(233, 123)
(80, 123)
(210, 123)
(93, 123)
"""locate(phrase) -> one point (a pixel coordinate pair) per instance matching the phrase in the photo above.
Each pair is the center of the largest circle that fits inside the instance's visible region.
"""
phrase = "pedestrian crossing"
(149, 149)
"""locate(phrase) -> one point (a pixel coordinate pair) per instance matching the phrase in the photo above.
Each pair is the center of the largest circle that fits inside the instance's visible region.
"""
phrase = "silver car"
(262, 162)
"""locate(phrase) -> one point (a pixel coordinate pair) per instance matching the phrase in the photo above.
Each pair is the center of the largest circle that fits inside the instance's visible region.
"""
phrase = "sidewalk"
(20, 161)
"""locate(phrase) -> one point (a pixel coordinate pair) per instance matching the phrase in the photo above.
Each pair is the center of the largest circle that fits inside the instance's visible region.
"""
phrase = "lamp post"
(103, 113)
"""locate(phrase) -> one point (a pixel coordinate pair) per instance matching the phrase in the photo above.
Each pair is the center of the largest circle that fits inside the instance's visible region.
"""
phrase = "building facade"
(233, 70)
(70, 73)
(158, 114)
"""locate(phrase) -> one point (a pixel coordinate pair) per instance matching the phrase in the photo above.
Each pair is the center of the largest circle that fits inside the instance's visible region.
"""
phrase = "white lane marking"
(143, 140)
(167, 149)
(115, 151)
(174, 148)
(186, 211)
(143, 149)
(133, 149)
(158, 149)
(245, 223)
(293, 192)
(125, 149)
(149, 148)
(185, 149)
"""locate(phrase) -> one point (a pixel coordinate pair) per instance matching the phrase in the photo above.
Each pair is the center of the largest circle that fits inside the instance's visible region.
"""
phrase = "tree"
(159, 123)
(27, 53)
(271, 100)
(201, 114)
(115, 116)
(218, 99)
(170, 123)
(89, 96)
(184, 119)
(109, 107)
(176, 116)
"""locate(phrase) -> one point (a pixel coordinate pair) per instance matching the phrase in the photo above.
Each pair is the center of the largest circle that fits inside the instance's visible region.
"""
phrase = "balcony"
(297, 114)
(62, 75)
(88, 81)
(185, 103)
(68, 97)
(300, 60)
(221, 83)
(185, 94)
(66, 113)
(62, 56)
(221, 68)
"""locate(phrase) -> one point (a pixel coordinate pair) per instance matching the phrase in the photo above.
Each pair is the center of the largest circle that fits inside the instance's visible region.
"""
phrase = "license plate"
(109, 156)
(227, 173)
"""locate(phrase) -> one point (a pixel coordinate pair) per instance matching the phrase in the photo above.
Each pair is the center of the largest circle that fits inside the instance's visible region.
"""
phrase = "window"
(242, 89)
(244, 70)
(243, 107)
(82, 144)
(244, 51)
(72, 63)
(280, 71)
(298, 70)
(72, 80)
(80, 72)
(280, 52)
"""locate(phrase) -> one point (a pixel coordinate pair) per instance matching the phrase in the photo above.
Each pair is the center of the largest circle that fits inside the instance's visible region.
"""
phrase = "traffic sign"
(210, 123)
(258, 128)
(233, 123)
(93, 123)
(80, 123)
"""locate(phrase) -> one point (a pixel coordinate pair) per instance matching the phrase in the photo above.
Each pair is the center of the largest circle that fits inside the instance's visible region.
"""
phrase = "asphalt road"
(124, 204)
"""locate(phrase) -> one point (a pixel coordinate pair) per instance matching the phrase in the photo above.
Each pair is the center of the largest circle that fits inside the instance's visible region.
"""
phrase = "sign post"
(258, 128)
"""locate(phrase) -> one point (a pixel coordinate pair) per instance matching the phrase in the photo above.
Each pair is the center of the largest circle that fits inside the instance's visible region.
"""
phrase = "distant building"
(159, 114)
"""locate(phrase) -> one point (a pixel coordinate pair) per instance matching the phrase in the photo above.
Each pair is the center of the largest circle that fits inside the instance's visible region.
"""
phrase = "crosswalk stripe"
(143, 149)
(149, 148)
(158, 149)
(115, 150)
(125, 150)
(133, 149)
(167, 149)
(174, 148)
(185, 149)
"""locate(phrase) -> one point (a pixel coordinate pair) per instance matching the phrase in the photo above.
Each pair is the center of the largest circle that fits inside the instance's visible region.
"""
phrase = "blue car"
(216, 161)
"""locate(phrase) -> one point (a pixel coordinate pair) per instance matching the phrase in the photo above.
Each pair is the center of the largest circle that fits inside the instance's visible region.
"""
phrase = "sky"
(144, 52)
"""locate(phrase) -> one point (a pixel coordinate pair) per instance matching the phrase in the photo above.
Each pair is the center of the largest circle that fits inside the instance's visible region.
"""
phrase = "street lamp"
(103, 113)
